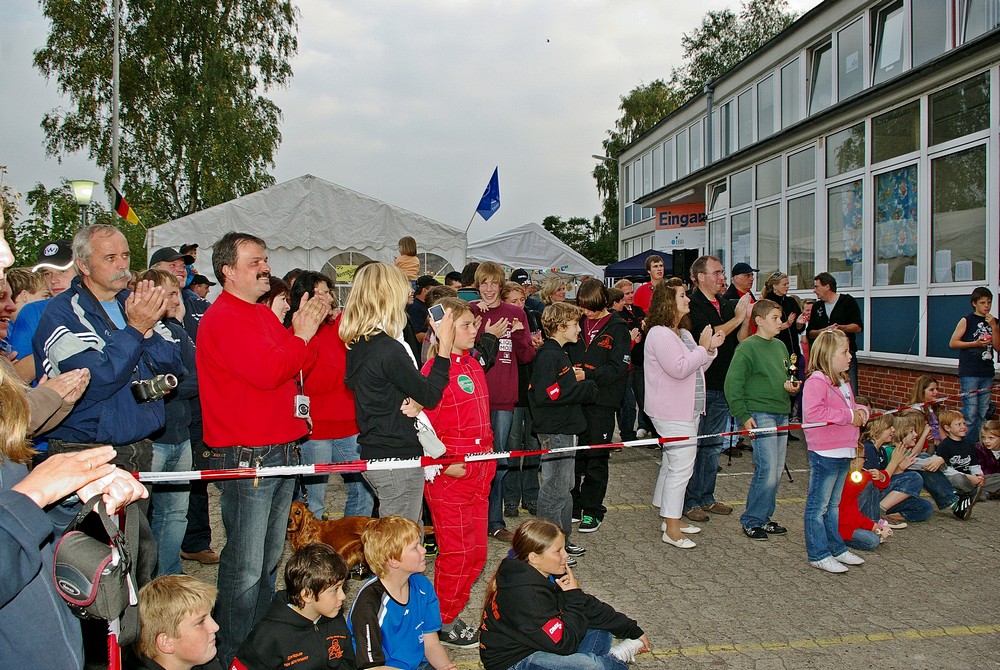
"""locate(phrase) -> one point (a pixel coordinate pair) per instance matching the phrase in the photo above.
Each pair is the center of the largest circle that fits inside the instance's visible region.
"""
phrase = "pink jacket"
(822, 401)
(671, 372)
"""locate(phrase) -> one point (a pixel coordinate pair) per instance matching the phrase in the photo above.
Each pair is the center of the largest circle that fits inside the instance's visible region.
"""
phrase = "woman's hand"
(61, 474)
(70, 385)
(568, 581)
(411, 408)
(117, 490)
(705, 339)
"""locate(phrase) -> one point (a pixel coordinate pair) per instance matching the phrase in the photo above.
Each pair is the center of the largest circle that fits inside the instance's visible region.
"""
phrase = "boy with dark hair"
(304, 626)
(395, 617)
(177, 631)
(758, 391)
(644, 294)
(976, 337)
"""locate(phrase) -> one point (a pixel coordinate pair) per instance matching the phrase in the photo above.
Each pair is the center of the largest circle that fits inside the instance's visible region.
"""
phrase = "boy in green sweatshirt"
(758, 391)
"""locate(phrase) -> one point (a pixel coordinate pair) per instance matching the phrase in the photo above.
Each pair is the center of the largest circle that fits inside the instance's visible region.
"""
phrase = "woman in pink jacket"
(674, 374)
(827, 398)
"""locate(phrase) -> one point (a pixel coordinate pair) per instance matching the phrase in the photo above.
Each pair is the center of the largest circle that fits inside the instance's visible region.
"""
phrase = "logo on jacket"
(554, 629)
(605, 341)
(466, 384)
(335, 651)
(553, 391)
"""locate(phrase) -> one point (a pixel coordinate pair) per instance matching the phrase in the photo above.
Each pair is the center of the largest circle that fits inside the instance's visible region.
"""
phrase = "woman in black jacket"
(536, 617)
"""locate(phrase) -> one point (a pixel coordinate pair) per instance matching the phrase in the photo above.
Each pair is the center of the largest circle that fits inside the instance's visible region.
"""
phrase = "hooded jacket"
(605, 359)
(529, 613)
(555, 397)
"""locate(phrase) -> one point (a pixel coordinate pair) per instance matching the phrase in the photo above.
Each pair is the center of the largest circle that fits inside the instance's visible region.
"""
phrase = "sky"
(415, 103)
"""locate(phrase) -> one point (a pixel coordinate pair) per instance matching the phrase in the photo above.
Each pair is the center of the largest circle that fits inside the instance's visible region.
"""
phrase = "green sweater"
(756, 378)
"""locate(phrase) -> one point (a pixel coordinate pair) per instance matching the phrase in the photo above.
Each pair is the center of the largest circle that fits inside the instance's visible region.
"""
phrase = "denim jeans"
(198, 536)
(822, 517)
(500, 422)
(865, 540)
(592, 654)
(360, 499)
(939, 487)
(520, 486)
(914, 508)
(701, 486)
(975, 405)
(170, 505)
(768, 460)
(255, 516)
(627, 411)
(555, 498)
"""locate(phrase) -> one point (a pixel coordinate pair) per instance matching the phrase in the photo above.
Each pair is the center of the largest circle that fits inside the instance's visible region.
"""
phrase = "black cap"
(57, 254)
(424, 281)
(743, 269)
(201, 279)
(188, 248)
(521, 277)
(168, 255)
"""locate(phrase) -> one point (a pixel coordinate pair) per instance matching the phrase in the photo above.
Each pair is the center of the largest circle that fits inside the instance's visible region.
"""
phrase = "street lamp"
(83, 191)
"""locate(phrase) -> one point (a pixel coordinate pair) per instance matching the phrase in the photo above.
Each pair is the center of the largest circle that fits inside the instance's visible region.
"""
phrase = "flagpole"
(115, 66)
(470, 221)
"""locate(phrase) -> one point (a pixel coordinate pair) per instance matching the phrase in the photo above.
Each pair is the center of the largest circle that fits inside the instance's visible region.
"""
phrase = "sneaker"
(576, 517)
(772, 528)
(575, 549)
(697, 514)
(626, 650)
(461, 635)
(830, 564)
(431, 545)
(510, 512)
(642, 433)
(755, 533)
(719, 508)
(570, 562)
(502, 534)
(589, 524)
(962, 508)
(894, 524)
(847, 558)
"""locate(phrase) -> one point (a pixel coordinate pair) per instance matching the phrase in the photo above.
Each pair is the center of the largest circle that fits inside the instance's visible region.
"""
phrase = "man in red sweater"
(248, 365)
(644, 294)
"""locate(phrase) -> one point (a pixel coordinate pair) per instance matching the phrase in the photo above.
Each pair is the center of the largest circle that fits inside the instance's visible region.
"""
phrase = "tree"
(10, 199)
(196, 127)
(594, 239)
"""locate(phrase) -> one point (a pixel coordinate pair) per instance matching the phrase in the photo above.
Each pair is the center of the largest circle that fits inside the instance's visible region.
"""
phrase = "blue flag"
(490, 201)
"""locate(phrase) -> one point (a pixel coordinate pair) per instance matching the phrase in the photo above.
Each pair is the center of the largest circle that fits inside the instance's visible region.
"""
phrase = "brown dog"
(344, 535)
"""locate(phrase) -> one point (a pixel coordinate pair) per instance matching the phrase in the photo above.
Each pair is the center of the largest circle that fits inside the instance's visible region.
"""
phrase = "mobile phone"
(436, 313)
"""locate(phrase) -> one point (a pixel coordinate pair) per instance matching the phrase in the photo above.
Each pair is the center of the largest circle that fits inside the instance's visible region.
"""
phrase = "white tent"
(533, 248)
(314, 224)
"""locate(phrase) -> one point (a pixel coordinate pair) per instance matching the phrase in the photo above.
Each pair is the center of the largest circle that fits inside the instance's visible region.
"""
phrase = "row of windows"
(901, 35)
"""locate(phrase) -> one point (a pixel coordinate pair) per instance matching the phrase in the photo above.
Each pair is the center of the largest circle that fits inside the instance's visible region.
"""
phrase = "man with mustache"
(97, 324)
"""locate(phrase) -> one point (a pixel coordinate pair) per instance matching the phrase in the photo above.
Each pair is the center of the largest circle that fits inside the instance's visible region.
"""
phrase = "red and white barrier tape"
(419, 462)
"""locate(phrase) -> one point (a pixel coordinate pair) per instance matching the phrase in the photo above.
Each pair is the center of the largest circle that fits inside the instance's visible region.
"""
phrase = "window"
(888, 43)
(726, 128)
(717, 239)
(740, 192)
(978, 17)
(682, 153)
(958, 223)
(739, 225)
(802, 239)
(896, 133)
(647, 174)
(668, 161)
(657, 168)
(765, 107)
(791, 93)
(845, 217)
(896, 227)
(930, 29)
(850, 74)
(802, 166)
(745, 104)
(697, 136)
(960, 110)
(821, 94)
(845, 151)
(769, 178)
(768, 226)
(717, 196)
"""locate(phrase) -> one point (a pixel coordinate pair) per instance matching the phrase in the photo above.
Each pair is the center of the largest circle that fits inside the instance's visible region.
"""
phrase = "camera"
(301, 407)
(436, 313)
(148, 390)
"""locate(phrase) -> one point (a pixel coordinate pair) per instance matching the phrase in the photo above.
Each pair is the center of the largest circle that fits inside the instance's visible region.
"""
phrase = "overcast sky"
(414, 103)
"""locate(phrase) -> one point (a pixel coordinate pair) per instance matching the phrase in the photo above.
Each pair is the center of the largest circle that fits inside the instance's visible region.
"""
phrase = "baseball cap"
(188, 248)
(743, 269)
(57, 254)
(423, 281)
(521, 277)
(201, 279)
(166, 254)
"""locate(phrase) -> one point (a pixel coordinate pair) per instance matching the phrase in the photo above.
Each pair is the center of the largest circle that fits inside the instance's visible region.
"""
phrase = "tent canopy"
(531, 247)
(309, 222)
(636, 265)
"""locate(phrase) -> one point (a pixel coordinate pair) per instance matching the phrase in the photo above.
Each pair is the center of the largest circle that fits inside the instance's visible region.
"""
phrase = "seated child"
(900, 501)
(304, 625)
(856, 529)
(177, 631)
(961, 464)
(537, 616)
(988, 451)
(395, 617)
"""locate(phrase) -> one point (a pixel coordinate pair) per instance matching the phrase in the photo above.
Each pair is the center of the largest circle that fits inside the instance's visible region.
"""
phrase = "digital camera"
(148, 390)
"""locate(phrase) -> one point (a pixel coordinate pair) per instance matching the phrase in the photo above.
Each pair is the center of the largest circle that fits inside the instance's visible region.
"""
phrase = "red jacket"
(462, 418)
(332, 403)
(851, 517)
(247, 367)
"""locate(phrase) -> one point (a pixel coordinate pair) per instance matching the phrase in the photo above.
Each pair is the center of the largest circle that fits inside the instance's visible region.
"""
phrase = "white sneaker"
(847, 558)
(830, 565)
(642, 434)
(625, 650)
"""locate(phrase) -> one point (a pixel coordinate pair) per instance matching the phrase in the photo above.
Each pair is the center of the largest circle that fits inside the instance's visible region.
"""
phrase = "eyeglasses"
(717, 273)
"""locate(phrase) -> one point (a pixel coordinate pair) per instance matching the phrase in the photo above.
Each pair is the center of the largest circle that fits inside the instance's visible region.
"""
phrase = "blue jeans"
(826, 484)
(558, 471)
(500, 422)
(865, 540)
(975, 405)
(914, 508)
(940, 488)
(255, 516)
(701, 486)
(520, 486)
(170, 505)
(592, 654)
(360, 499)
(768, 460)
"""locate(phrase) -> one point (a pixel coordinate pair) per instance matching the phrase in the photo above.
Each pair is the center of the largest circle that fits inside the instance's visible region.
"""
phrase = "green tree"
(196, 127)
(10, 207)
(594, 239)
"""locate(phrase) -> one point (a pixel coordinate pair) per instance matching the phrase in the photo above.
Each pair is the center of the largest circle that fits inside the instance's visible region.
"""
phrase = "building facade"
(864, 141)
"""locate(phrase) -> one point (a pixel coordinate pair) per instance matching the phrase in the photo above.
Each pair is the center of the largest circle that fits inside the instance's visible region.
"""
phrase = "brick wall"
(889, 386)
